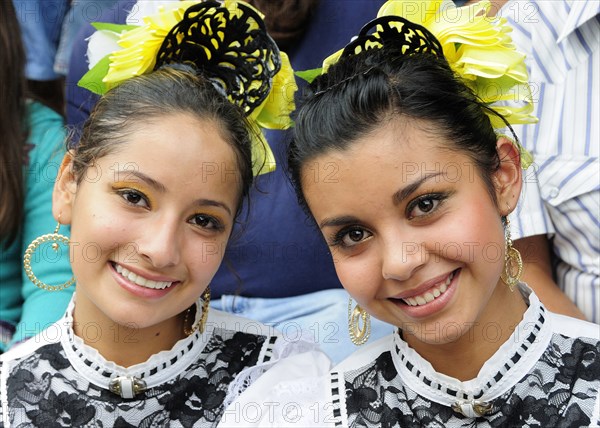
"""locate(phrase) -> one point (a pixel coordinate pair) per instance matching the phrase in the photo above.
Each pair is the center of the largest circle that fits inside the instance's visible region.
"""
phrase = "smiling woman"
(151, 193)
(416, 218)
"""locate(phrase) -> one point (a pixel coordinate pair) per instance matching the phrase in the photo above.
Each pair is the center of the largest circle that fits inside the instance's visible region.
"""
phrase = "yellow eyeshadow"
(121, 185)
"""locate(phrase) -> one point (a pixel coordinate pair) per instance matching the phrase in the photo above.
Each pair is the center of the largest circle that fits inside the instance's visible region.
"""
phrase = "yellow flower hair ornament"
(226, 43)
(477, 47)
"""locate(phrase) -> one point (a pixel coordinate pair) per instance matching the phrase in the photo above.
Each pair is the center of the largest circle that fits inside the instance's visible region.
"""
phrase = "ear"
(508, 178)
(64, 191)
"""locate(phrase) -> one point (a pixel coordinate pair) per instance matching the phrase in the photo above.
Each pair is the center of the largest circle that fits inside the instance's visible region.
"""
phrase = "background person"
(32, 147)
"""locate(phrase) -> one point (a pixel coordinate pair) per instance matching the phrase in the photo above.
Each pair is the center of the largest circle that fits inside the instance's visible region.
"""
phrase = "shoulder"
(273, 343)
(367, 355)
(47, 133)
(573, 327)
(38, 115)
(50, 336)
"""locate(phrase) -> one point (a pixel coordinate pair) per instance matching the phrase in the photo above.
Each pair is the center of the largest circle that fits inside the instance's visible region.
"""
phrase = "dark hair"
(169, 90)
(12, 123)
(362, 91)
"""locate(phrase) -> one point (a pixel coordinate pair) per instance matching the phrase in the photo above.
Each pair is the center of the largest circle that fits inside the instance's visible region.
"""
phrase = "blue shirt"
(275, 250)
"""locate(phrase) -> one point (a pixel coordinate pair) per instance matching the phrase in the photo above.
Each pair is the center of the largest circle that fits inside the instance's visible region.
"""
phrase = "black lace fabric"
(550, 378)
(44, 389)
(560, 391)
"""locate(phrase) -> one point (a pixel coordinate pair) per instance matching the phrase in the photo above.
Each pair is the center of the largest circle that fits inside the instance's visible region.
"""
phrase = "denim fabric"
(321, 317)
(41, 23)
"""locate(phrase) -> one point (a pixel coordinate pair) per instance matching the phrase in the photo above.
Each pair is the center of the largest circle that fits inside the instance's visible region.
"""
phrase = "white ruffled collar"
(158, 369)
(510, 362)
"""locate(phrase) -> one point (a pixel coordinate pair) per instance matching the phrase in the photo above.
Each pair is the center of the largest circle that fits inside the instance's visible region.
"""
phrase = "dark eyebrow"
(399, 196)
(405, 192)
(152, 182)
(338, 221)
(161, 188)
(212, 203)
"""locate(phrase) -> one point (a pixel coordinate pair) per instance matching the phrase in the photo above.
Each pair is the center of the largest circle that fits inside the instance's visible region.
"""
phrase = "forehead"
(398, 143)
(393, 155)
(176, 146)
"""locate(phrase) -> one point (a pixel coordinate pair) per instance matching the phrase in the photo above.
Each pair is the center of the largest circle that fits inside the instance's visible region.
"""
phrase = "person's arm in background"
(533, 226)
(40, 307)
(537, 273)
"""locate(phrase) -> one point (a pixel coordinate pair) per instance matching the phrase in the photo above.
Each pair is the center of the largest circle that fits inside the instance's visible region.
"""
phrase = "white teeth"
(430, 295)
(140, 280)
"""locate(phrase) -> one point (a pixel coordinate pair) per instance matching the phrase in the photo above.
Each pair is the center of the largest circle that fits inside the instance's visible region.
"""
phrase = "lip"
(424, 287)
(434, 306)
(138, 290)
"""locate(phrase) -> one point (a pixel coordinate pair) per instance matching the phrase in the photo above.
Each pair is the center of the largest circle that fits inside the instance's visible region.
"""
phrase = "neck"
(463, 358)
(122, 344)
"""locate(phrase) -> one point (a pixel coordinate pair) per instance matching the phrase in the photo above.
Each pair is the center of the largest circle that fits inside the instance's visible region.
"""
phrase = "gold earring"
(200, 324)
(55, 238)
(358, 334)
(513, 263)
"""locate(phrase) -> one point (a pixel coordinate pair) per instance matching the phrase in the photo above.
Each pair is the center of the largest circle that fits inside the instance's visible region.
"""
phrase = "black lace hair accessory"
(242, 58)
(408, 37)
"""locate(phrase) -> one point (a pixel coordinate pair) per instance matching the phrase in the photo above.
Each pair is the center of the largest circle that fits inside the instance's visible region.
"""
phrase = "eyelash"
(337, 240)
(124, 192)
(440, 198)
(217, 225)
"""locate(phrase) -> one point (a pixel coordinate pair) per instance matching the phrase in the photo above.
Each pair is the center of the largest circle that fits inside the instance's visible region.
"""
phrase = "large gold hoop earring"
(50, 237)
(513, 263)
(202, 321)
(358, 334)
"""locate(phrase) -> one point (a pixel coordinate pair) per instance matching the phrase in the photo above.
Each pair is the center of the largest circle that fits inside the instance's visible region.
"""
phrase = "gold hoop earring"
(358, 334)
(201, 323)
(50, 237)
(513, 263)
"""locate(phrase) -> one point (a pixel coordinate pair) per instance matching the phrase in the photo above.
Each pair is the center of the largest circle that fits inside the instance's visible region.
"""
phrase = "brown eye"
(426, 205)
(351, 237)
(206, 222)
(356, 235)
(133, 197)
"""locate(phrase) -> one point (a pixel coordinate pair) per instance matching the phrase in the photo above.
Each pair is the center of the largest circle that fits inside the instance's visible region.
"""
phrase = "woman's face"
(415, 235)
(150, 221)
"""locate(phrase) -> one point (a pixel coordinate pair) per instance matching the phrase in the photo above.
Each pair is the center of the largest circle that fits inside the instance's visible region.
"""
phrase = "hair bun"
(229, 47)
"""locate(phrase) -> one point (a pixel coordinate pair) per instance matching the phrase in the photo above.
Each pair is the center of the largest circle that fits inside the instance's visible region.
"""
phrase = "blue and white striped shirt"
(561, 192)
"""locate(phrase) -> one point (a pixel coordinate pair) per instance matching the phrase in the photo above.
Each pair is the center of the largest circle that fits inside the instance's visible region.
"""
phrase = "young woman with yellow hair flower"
(416, 219)
(151, 192)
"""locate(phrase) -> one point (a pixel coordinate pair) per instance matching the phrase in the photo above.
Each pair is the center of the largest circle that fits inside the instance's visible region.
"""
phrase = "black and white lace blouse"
(546, 375)
(55, 380)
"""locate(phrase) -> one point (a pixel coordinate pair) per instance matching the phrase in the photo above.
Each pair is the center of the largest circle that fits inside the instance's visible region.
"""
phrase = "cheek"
(472, 239)
(359, 278)
(96, 232)
(204, 258)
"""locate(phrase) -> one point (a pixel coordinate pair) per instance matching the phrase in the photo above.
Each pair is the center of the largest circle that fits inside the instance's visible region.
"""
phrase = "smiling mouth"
(140, 280)
(431, 294)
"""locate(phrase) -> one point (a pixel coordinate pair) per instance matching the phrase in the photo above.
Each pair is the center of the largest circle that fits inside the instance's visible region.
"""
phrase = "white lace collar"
(158, 369)
(510, 362)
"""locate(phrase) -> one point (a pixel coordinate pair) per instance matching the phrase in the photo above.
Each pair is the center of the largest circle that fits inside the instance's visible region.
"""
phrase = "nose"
(402, 258)
(160, 244)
